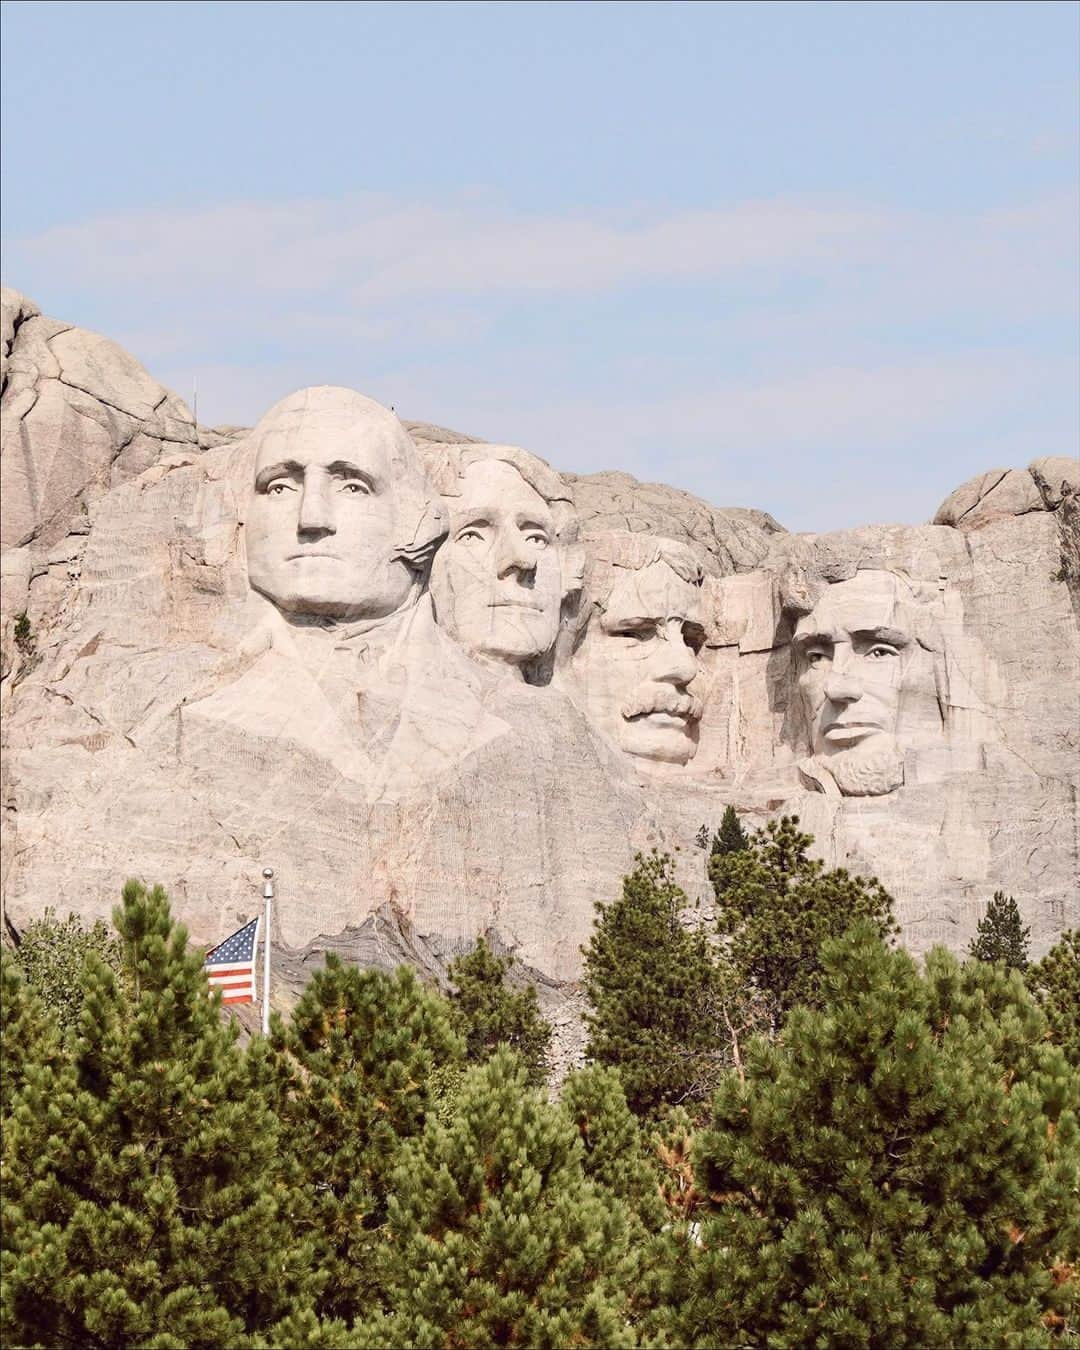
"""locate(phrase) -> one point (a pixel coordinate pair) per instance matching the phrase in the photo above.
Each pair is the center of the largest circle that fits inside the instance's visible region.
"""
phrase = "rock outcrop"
(80, 417)
(445, 690)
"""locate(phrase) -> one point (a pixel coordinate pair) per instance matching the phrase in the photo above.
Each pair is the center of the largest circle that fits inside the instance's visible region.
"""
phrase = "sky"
(818, 258)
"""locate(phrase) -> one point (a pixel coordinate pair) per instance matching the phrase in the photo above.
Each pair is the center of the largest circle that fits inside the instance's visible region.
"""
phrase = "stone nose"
(512, 555)
(316, 515)
(672, 660)
(843, 687)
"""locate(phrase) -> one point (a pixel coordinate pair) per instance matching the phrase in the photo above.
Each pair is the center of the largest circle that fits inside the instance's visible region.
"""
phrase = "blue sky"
(818, 258)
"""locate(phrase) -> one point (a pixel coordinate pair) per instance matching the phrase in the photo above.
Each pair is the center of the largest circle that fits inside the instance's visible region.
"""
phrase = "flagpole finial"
(268, 872)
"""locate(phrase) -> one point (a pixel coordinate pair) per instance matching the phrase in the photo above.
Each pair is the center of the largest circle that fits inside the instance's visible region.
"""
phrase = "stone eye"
(881, 652)
(277, 489)
(355, 487)
(694, 638)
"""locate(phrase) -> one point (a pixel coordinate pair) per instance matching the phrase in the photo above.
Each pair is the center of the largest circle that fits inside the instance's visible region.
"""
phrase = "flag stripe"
(230, 966)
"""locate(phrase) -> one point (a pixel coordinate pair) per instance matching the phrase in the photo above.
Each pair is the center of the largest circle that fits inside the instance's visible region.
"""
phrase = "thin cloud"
(377, 252)
(769, 334)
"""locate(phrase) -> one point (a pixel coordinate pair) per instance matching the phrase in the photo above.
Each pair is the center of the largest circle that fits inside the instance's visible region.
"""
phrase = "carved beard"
(869, 770)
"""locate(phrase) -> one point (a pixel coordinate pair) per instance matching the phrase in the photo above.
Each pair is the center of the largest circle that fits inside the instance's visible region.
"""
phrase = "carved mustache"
(664, 701)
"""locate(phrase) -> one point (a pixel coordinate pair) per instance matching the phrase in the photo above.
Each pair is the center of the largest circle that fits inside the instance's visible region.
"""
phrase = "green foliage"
(359, 1070)
(141, 1205)
(52, 956)
(776, 907)
(897, 1164)
(24, 635)
(1000, 935)
(616, 1155)
(901, 1168)
(488, 1013)
(656, 993)
(28, 1032)
(671, 1146)
(496, 1235)
(731, 837)
(1055, 981)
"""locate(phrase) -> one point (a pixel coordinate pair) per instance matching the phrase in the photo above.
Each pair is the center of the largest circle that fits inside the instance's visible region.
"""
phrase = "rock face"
(80, 417)
(731, 539)
(444, 690)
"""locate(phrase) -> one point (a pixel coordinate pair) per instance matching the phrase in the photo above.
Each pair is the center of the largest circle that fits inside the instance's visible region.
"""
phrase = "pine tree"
(658, 998)
(1055, 981)
(731, 837)
(496, 1237)
(1000, 935)
(623, 1162)
(488, 1013)
(776, 907)
(141, 1200)
(616, 1155)
(358, 1075)
(27, 1033)
(899, 1169)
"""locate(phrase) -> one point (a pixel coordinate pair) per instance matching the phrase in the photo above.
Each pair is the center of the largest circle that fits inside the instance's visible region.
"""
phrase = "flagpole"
(268, 896)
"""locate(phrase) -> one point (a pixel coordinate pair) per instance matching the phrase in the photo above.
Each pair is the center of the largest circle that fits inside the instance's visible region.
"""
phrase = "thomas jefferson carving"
(508, 565)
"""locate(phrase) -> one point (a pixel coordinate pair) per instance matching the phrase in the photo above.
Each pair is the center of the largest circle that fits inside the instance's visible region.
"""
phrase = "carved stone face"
(862, 675)
(323, 523)
(637, 661)
(497, 580)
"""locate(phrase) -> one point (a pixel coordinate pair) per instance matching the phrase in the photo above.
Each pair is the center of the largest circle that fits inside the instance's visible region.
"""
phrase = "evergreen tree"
(488, 1013)
(616, 1156)
(900, 1169)
(776, 907)
(27, 1032)
(496, 1236)
(731, 837)
(1055, 981)
(671, 1143)
(639, 1170)
(358, 1072)
(52, 955)
(141, 1198)
(658, 997)
(1000, 935)
(672, 1146)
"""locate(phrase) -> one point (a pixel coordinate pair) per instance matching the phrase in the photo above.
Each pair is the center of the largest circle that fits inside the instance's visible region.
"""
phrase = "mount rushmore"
(431, 679)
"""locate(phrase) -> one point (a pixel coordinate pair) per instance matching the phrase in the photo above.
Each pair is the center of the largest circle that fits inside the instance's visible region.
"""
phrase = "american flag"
(230, 967)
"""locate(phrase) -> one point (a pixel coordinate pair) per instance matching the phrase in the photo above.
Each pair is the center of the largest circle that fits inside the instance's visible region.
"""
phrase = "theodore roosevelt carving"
(635, 655)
